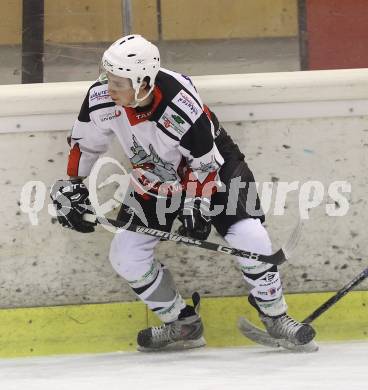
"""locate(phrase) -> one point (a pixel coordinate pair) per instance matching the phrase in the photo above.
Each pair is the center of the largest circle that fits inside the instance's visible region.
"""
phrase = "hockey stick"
(336, 297)
(276, 258)
(261, 337)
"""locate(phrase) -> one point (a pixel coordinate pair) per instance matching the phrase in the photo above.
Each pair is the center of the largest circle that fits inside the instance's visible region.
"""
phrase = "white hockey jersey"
(176, 130)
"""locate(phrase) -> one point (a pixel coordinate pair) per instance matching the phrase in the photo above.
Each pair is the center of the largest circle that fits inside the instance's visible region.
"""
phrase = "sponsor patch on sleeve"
(98, 95)
(109, 115)
(174, 122)
(187, 104)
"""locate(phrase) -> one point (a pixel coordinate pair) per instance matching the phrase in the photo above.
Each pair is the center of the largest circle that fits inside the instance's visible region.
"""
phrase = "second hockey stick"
(276, 258)
(260, 336)
(337, 296)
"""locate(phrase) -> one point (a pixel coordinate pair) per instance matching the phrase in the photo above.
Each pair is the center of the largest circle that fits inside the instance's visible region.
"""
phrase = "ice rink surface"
(336, 366)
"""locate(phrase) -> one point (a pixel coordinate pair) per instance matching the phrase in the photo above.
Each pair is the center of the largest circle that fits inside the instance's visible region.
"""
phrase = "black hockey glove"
(195, 219)
(70, 198)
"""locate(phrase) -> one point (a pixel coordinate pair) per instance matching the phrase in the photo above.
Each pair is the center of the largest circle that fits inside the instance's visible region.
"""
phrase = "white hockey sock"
(263, 279)
(131, 255)
(159, 293)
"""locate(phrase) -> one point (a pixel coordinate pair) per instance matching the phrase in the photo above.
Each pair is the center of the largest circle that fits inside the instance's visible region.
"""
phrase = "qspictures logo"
(334, 197)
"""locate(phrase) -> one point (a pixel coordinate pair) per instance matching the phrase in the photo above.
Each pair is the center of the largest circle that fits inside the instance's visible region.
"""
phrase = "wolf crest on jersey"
(210, 167)
(151, 163)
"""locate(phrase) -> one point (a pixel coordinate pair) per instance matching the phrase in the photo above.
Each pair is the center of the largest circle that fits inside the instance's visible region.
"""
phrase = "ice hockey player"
(172, 139)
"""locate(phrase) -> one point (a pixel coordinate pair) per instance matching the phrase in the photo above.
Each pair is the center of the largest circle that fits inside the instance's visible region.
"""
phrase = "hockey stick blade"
(276, 258)
(290, 246)
(259, 336)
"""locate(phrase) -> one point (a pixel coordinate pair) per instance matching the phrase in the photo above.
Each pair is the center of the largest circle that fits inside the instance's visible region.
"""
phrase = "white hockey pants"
(131, 255)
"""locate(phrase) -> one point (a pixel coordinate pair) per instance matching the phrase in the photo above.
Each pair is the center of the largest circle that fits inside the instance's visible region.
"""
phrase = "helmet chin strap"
(136, 100)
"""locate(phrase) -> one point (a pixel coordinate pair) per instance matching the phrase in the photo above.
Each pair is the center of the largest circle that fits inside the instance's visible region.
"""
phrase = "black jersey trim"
(198, 139)
(172, 86)
(85, 110)
(182, 86)
(102, 105)
(162, 128)
(180, 112)
(84, 115)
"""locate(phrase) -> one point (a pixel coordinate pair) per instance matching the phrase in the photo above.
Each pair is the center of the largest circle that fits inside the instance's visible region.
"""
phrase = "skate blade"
(176, 346)
(259, 336)
(312, 346)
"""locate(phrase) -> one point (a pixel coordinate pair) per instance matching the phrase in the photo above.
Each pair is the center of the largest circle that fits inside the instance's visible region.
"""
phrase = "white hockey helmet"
(135, 58)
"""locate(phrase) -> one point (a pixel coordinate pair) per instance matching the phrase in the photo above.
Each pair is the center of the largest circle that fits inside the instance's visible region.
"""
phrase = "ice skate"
(285, 327)
(184, 333)
(282, 332)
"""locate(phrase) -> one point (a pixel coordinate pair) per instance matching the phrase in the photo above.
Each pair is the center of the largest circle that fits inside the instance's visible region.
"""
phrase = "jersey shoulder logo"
(171, 120)
(187, 104)
(99, 95)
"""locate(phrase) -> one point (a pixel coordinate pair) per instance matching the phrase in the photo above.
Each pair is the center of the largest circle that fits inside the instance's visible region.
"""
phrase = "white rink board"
(334, 367)
(48, 265)
(312, 128)
(234, 97)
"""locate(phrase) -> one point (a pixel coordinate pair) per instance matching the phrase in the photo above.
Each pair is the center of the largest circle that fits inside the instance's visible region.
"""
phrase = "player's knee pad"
(131, 254)
(250, 235)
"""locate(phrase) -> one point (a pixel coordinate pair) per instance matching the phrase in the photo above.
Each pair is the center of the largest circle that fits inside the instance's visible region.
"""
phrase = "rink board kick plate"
(112, 327)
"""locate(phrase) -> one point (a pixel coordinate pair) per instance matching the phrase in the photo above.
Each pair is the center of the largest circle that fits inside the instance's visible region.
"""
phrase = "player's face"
(120, 90)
